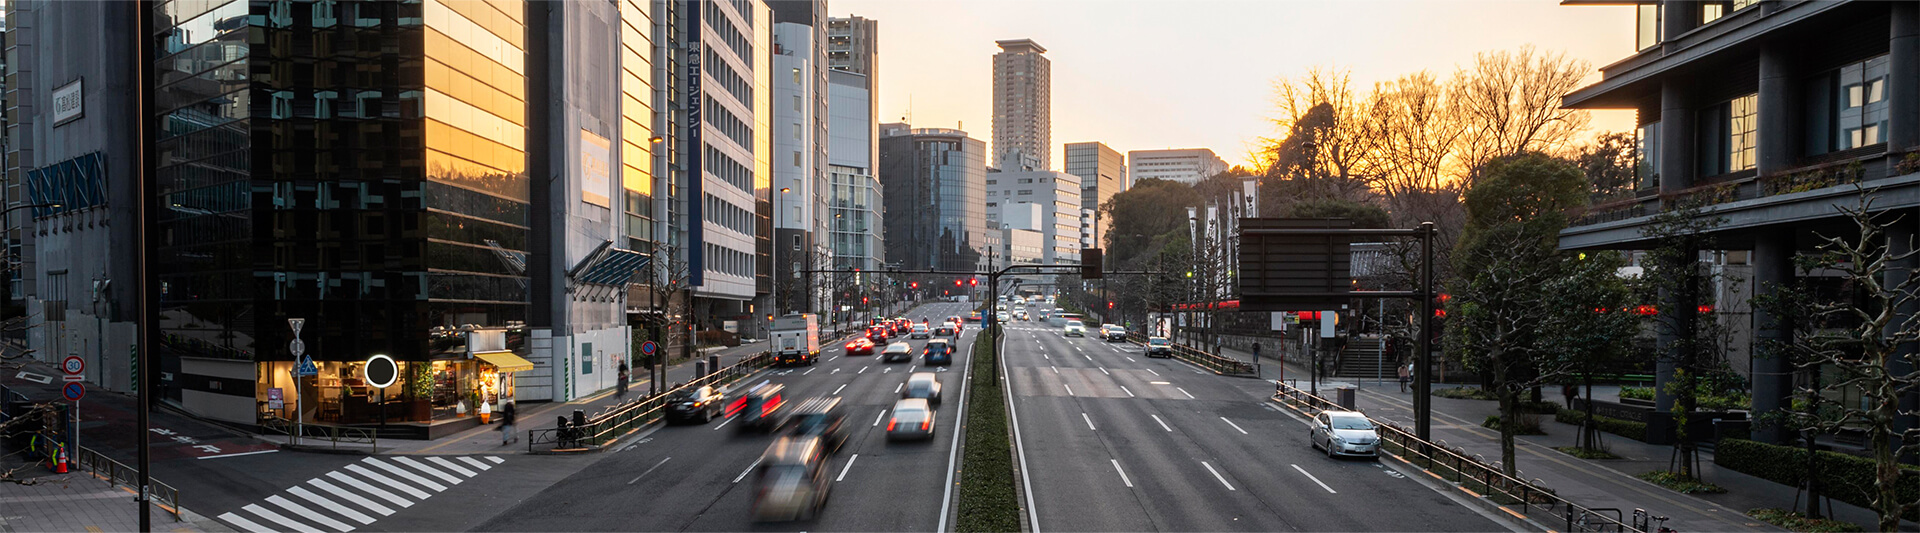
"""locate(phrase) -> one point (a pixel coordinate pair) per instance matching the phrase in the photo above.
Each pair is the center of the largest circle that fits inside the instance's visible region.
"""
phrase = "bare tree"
(21, 424)
(1509, 103)
(1324, 148)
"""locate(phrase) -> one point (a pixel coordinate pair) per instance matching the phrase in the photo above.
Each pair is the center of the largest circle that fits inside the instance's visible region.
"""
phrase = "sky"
(1154, 74)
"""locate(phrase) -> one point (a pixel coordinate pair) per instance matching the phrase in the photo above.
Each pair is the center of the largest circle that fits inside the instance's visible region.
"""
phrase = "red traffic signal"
(863, 299)
(913, 285)
(974, 282)
(1109, 305)
(956, 283)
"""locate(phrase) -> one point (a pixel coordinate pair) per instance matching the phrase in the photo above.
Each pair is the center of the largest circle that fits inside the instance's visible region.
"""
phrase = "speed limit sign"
(73, 365)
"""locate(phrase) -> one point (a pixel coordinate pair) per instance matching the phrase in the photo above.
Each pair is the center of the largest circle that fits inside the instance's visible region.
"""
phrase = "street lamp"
(779, 218)
(8, 228)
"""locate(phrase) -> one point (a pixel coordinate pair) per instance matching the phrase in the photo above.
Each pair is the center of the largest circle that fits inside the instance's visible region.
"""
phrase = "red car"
(861, 346)
(877, 334)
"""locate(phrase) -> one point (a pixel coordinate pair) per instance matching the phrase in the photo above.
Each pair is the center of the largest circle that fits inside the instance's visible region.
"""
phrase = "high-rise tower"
(1022, 108)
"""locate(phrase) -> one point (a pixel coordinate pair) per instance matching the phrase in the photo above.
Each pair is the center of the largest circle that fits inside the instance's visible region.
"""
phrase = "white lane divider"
(650, 470)
(1083, 416)
(1216, 475)
(1123, 473)
(1056, 369)
(877, 419)
(1129, 392)
(723, 423)
(844, 469)
(809, 371)
(749, 470)
(1103, 370)
(1235, 426)
(836, 392)
(1189, 394)
(1069, 388)
(1163, 423)
(896, 388)
(863, 369)
(1130, 360)
(1089, 357)
(1155, 374)
(1316, 480)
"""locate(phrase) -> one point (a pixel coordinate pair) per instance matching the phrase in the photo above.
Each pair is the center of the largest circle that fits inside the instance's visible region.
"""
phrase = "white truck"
(796, 339)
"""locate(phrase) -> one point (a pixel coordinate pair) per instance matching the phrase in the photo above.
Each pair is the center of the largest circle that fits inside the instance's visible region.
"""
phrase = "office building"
(1187, 165)
(933, 182)
(1103, 173)
(1057, 198)
(1768, 113)
(800, 174)
(853, 45)
(1022, 107)
(854, 144)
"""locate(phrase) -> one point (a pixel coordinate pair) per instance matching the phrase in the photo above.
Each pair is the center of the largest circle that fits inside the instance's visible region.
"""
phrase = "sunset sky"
(1139, 74)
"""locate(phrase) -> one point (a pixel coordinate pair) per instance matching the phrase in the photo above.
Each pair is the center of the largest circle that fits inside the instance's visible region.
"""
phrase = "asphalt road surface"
(693, 477)
(1114, 441)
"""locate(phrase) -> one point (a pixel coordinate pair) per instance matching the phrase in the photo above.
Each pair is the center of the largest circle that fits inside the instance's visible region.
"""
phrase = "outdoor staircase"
(1361, 359)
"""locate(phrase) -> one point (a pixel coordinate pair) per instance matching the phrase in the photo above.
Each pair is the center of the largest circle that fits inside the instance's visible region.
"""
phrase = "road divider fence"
(1472, 473)
(608, 425)
(1226, 366)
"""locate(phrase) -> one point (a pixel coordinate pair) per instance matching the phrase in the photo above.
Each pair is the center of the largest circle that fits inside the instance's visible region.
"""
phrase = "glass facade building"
(933, 181)
(357, 164)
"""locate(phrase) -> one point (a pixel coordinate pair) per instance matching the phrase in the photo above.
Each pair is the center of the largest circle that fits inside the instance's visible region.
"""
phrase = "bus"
(1059, 320)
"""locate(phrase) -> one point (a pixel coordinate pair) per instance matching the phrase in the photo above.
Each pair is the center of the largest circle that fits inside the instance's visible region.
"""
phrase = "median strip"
(989, 488)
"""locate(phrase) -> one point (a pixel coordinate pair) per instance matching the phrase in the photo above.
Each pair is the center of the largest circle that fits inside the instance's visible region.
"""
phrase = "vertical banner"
(1193, 232)
(1252, 200)
(696, 145)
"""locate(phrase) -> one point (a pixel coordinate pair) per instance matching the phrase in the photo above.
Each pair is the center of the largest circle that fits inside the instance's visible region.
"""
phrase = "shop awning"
(505, 361)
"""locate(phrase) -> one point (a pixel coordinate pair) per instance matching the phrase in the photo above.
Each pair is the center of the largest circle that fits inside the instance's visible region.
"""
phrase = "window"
(1647, 30)
(1646, 157)
(1847, 107)
(796, 158)
(1727, 135)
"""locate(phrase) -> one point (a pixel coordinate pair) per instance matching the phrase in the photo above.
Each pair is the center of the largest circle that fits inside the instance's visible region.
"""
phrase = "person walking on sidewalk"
(1406, 376)
(507, 436)
(623, 378)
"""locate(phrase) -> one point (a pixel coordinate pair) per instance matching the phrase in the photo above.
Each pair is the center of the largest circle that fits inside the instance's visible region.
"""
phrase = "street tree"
(1509, 102)
(1507, 263)
(1694, 342)
(1590, 325)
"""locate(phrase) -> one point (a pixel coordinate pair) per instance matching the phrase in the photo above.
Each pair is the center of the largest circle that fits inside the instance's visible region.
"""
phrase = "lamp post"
(8, 222)
(780, 218)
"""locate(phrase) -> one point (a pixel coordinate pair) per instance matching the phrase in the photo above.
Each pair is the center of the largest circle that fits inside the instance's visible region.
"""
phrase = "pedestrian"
(1406, 376)
(1569, 391)
(623, 378)
(1256, 352)
(507, 436)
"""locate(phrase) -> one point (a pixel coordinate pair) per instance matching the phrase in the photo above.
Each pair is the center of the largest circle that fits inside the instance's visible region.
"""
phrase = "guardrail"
(117, 474)
(616, 420)
(1209, 361)
(334, 435)
(1472, 473)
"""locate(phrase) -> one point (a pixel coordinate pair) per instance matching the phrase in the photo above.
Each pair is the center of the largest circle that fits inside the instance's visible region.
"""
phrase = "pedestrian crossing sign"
(305, 367)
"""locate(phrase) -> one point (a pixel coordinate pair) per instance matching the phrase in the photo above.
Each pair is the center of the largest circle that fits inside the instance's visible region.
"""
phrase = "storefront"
(496, 376)
(423, 391)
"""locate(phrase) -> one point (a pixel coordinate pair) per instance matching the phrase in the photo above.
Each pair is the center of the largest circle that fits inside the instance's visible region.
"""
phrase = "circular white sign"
(73, 365)
(298, 347)
(380, 371)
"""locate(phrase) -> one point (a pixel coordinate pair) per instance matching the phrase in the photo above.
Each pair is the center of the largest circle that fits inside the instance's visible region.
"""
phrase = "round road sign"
(73, 365)
(648, 347)
(73, 391)
(380, 371)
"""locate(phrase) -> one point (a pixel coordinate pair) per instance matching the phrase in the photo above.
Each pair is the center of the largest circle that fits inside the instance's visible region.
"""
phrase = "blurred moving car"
(877, 334)
(937, 352)
(695, 404)
(920, 331)
(759, 408)
(973, 316)
(1113, 333)
(1074, 329)
(1344, 433)
(947, 329)
(898, 351)
(791, 481)
(860, 346)
(956, 321)
(1159, 347)
(820, 417)
(912, 420)
(922, 385)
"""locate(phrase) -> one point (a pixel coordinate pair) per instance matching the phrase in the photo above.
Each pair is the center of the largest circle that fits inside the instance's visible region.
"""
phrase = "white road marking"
(835, 371)
(1235, 426)
(877, 419)
(450, 478)
(496, 460)
(1216, 475)
(1155, 374)
(1129, 392)
(809, 371)
(329, 504)
(236, 454)
(449, 465)
(749, 470)
(1103, 370)
(910, 368)
(650, 470)
(896, 388)
(723, 423)
(863, 369)
(1069, 388)
(1046, 357)
(1056, 369)
(1083, 416)
(1123, 473)
(1303, 472)
(1130, 360)
(886, 370)
(1089, 357)
(370, 489)
(1163, 423)
(289, 523)
(844, 469)
(306, 513)
(1287, 412)
(837, 391)
(1189, 394)
(355, 498)
(248, 525)
(475, 462)
(369, 474)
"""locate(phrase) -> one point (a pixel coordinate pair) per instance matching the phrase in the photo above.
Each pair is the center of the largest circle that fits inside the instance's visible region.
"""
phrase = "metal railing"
(334, 435)
(1209, 361)
(610, 423)
(1478, 476)
(117, 474)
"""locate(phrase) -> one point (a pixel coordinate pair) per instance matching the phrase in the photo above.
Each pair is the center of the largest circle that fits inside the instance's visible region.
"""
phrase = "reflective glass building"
(933, 181)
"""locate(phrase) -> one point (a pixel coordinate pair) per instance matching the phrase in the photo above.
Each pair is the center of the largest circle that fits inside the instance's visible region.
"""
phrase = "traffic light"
(913, 285)
(1090, 264)
(974, 282)
(956, 283)
(863, 300)
(1109, 304)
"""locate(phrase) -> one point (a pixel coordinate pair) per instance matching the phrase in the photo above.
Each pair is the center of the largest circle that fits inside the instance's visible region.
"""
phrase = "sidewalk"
(1596, 484)
(76, 501)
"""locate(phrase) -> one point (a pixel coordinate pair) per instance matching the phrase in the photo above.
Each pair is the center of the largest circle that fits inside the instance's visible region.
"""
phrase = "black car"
(937, 352)
(698, 404)
(898, 351)
(759, 409)
(819, 417)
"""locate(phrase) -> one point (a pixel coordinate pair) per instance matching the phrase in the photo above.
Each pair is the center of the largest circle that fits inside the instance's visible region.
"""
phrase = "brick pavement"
(77, 501)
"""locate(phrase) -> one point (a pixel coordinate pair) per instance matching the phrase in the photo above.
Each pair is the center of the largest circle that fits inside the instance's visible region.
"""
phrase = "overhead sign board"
(1294, 272)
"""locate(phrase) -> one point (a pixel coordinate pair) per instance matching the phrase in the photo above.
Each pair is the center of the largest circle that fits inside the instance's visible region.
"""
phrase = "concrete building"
(1186, 165)
(1103, 173)
(1057, 195)
(1022, 107)
(1767, 115)
(800, 141)
(933, 180)
(853, 45)
(1021, 247)
(853, 148)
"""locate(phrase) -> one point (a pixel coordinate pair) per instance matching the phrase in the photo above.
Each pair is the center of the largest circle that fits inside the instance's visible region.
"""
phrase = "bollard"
(700, 368)
(713, 363)
(579, 418)
(1344, 396)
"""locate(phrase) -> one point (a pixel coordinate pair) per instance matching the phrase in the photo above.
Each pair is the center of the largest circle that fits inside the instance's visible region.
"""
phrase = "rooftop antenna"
(908, 118)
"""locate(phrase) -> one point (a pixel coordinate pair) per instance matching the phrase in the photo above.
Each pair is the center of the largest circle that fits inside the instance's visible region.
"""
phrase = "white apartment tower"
(1043, 201)
(1186, 165)
(1022, 107)
(799, 155)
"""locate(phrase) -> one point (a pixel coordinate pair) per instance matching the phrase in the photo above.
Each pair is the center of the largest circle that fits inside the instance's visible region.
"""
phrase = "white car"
(1074, 329)
(920, 331)
(1344, 433)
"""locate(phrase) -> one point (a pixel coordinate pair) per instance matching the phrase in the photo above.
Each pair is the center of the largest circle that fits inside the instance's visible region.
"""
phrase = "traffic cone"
(60, 461)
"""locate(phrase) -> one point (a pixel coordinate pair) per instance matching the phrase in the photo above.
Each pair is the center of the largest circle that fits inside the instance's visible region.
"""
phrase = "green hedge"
(989, 500)
(1625, 428)
(1842, 477)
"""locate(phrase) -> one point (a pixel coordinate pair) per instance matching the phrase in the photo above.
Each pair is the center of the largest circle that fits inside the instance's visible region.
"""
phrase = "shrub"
(1584, 453)
(1792, 521)
(1704, 397)
(1683, 485)
(1625, 428)
(1463, 393)
(1525, 424)
(1636, 393)
(988, 498)
(1842, 477)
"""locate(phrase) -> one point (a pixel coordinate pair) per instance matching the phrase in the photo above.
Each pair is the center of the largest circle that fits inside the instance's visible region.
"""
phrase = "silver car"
(791, 480)
(922, 385)
(1344, 433)
(912, 420)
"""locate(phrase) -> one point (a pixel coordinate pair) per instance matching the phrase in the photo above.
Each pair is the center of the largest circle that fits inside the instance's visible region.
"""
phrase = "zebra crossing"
(357, 494)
